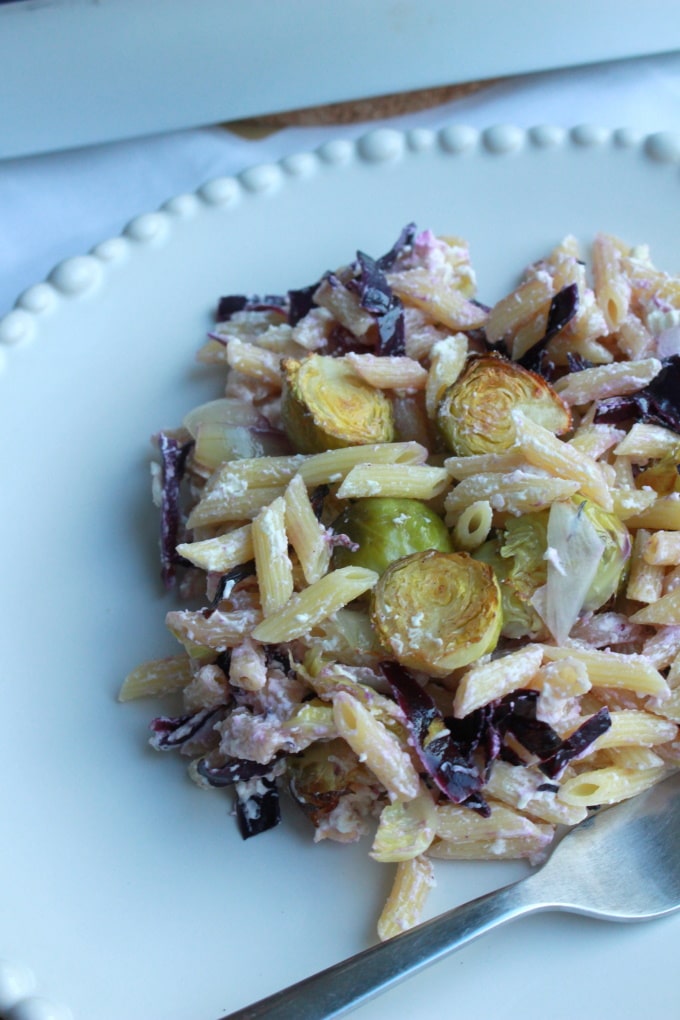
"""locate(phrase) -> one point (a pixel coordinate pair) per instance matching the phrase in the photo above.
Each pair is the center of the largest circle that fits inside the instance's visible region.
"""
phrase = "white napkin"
(62, 204)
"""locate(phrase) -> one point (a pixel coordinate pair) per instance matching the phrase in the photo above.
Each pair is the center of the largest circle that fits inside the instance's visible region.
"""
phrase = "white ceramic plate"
(124, 890)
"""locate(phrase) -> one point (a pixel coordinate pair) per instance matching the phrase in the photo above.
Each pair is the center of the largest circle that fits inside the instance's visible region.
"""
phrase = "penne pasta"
(375, 745)
(404, 906)
(305, 609)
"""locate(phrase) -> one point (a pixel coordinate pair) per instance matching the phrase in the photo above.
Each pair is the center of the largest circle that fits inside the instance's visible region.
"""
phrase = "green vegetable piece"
(387, 530)
(325, 406)
(519, 556)
(474, 415)
(435, 611)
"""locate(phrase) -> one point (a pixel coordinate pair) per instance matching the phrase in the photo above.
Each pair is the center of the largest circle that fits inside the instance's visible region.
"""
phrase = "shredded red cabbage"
(377, 297)
(301, 302)
(232, 303)
(563, 308)
(516, 714)
(405, 240)
(448, 763)
(173, 461)
(579, 741)
(657, 403)
(236, 770)
(234, 575)
(257, 812)
(173, 733)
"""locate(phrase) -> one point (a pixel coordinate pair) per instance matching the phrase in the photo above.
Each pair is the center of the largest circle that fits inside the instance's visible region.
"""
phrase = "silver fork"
(621, 864)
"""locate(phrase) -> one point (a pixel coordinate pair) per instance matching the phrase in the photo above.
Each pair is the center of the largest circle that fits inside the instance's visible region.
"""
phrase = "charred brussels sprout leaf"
(322, 775)
(435, 611)
(474, 415)
(327, 406)
(386, 530)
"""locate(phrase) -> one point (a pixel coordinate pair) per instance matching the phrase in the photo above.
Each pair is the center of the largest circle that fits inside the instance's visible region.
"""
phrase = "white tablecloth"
(58, 205)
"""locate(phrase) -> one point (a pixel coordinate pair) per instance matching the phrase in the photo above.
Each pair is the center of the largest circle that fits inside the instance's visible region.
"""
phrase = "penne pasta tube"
(413, 880)
(415, 481)
(646, 442)
(664, 612)
(645, 581)
(376, 746)
(306, 534)
(545, 451)
(513, 311)
(306, 609)
(396, 373)
(613, 669)
(528, 793)
(630, 727)
(517, 493)
(605, 381)
(447, 358)
(663, 513)
(663, 549)
(272, 563)
(158, 676)
(490, 680)
(467, 835)
(473, 526)
(221, 554)
(607, 785)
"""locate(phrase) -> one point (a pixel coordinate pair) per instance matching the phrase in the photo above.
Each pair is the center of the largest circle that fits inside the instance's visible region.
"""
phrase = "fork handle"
(351, 983)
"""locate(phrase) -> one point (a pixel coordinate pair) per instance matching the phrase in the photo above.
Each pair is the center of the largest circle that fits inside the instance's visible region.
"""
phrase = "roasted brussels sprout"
(325, 406)
(322, 775)
(474, 414)
(520, 556)
(386, 530)
(435, 611)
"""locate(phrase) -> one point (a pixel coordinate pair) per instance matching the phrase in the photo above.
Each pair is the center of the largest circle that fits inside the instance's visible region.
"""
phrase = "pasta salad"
(436, 546)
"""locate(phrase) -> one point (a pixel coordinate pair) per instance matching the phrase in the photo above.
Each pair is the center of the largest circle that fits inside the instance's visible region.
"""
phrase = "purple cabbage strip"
(171, 734)
(236, 574)
(236, 770)
(516, 714)
(449, 765)
(657, 403)
(232, 303)
(301, 302)
(173, 461)
(579, 741)
(563, 308)
(257, 812)
(405, 240)
(377, 297)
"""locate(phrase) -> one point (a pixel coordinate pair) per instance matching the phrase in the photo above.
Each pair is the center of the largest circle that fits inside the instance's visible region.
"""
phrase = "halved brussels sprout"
(519, 556)
(435, 611)
(325, 406)
(474, 415)
(322, 774)
(387, 530)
